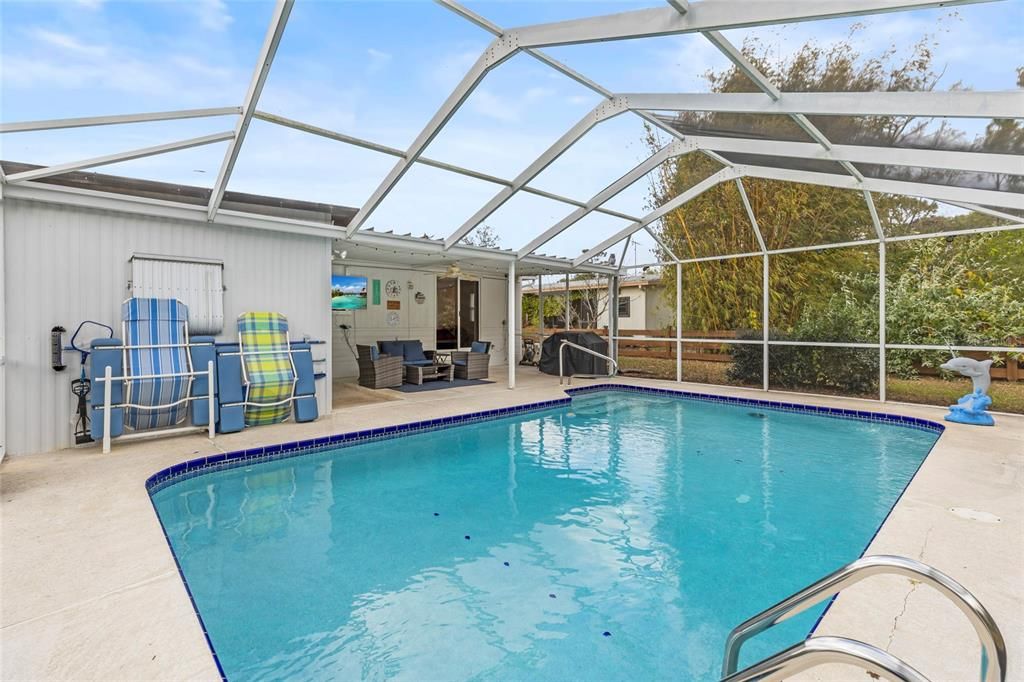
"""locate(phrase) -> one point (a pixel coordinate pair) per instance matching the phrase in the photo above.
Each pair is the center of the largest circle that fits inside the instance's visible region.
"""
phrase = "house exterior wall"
(637, 318)
(648, 308)
(661, 313)
(415, 320)
(64, 264)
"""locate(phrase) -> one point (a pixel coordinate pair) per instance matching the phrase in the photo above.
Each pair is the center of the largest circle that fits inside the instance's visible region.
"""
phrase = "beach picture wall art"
(348, 293)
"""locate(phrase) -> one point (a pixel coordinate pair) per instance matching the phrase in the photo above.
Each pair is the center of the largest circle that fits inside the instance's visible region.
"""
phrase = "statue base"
(971, 410)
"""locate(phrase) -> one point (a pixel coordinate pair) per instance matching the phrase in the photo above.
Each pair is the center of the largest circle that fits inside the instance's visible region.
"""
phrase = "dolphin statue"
(977, 370)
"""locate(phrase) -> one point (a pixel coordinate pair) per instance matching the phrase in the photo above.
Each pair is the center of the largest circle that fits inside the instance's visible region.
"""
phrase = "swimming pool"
(619, 536)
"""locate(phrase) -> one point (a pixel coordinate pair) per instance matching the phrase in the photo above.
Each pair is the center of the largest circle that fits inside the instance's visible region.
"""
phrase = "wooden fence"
(718, 352)
(645, 348)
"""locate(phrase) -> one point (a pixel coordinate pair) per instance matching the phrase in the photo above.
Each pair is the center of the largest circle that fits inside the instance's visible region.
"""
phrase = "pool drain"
(757, 415)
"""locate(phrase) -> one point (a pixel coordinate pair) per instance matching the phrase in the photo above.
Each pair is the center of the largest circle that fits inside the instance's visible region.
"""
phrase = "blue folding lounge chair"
(271, 377)
(154, 367)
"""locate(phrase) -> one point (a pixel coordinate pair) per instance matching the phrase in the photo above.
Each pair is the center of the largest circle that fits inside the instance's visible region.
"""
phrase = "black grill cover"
(576, 361)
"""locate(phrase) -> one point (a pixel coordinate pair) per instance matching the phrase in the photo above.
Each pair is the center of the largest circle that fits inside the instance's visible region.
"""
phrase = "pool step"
(820, 650)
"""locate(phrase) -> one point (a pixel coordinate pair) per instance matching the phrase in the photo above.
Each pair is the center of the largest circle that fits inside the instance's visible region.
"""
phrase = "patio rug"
(438, 384)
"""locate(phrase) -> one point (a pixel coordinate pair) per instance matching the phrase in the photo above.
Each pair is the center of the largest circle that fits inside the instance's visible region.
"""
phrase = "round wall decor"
(393, 319)
(393, 289)
(421, 297)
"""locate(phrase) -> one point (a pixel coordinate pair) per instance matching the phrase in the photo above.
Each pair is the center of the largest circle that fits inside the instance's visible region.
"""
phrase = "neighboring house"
(641, 303)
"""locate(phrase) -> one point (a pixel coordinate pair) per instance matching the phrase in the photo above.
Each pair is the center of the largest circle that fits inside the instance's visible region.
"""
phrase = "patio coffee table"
(417, 374)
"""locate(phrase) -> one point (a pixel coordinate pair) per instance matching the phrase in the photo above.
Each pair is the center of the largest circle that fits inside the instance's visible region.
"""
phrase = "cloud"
(65, 42)
(379, 60)
(486, 103)
(213, 15)
(447, 71)
(198, 67)
(179, 79)
(685, 61)
(507, 109)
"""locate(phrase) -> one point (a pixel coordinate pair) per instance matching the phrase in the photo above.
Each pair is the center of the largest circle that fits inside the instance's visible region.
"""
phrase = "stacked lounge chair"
(266, 378)
(159, 374)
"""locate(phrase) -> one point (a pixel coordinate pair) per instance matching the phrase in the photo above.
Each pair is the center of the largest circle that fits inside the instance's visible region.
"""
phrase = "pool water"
(620, 537)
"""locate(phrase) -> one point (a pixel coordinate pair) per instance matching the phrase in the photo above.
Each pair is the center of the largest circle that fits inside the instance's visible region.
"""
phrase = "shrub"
(844, 370)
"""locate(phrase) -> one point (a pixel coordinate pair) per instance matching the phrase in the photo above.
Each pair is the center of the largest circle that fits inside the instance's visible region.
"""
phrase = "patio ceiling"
(743, 151)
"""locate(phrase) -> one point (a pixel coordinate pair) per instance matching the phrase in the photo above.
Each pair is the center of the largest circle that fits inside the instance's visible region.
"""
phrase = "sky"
(379, 70)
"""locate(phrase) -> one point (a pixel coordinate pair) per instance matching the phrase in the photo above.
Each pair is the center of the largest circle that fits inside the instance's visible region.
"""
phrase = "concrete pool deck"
(90, 590)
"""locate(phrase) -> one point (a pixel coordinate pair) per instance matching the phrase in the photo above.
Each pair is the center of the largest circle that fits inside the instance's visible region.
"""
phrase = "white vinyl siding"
(65, 264)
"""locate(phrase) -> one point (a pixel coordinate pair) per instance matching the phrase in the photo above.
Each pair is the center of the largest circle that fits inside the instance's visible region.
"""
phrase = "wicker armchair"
(384, 372)
(472, 364)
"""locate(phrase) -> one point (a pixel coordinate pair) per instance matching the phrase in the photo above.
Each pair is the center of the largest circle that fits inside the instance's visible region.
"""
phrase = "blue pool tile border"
(227, 460)
(834, 412)
(267, 453)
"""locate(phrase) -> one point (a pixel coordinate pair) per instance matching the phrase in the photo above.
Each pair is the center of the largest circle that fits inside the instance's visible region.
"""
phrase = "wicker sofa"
(377, 370)
(473, 363)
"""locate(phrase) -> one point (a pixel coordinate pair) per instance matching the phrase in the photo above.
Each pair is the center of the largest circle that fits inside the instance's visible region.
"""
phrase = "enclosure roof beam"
(602, 112)
(875, 222)
(669, 206)
(47, 171)
(282, 10)
(497, 31)
(681, 6)
(953, 104)
(767, 87)
(643, 168)
(661, 242)
(743, 64)
(625, 250)
(709, 15)
(934, 192)
(946, 193)
(579, 78)
(426, 161)
(88, 121)
(750, 215)
(980, 162)
(860, 242)
(987, 211)
(500, 49)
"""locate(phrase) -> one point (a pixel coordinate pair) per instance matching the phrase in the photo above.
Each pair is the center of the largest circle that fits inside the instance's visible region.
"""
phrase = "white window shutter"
(197, 284)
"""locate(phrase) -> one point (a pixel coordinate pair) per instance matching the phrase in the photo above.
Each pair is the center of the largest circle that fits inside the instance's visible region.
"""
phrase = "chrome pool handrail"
(817, 651)
(561, 360)
(993, 647)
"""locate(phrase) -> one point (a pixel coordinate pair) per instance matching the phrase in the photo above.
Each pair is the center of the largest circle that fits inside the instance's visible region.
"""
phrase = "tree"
(962, 291)
(727, 294)
(483, 236)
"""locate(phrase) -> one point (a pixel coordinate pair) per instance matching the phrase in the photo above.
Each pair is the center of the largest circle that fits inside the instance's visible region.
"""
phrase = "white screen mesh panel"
(199, 285)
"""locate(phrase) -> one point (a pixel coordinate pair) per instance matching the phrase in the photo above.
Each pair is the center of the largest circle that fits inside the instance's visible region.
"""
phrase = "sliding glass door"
(469, 316)
(447, 313)
(458, 313)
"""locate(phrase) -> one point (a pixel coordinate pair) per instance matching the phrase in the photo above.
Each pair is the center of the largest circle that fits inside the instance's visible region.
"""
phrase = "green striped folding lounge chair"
(268, 371)
(156, 342)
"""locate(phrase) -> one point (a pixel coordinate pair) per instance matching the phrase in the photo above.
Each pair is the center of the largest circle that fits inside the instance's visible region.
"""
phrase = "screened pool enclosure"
(727, 148)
